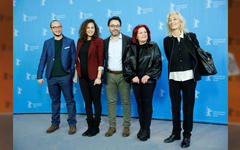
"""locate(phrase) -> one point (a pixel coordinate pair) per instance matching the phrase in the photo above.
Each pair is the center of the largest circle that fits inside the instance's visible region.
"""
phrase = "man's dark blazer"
(126, 40)
(68, 54)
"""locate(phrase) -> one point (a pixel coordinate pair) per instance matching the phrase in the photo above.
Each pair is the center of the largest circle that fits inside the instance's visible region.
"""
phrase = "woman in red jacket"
(89, 66)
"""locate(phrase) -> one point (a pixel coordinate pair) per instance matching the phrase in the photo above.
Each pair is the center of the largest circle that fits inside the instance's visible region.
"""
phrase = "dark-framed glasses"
(56, 27)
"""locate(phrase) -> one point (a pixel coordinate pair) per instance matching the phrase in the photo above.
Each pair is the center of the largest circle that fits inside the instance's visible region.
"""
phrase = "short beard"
(115, 35)
(57, 35)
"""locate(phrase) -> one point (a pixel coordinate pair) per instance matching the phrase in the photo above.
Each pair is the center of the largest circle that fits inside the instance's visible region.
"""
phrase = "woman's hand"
(145, 79)
(135, 80)
(97, 81)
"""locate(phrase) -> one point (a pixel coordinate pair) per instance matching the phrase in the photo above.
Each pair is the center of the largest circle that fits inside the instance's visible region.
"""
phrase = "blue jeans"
(63, 84)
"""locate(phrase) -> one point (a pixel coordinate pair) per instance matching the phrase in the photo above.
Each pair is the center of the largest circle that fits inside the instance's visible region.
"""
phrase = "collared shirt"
(115, 54)
(181, 75)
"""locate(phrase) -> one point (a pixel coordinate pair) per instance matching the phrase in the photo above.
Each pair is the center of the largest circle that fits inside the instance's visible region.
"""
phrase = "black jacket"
(149, 62)
(125, 41)
(169, 45)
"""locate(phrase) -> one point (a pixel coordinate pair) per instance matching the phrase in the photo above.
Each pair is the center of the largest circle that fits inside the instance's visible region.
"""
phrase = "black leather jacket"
(143, 60)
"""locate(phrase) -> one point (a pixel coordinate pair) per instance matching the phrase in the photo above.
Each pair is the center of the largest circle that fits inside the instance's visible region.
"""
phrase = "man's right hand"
(40, 81)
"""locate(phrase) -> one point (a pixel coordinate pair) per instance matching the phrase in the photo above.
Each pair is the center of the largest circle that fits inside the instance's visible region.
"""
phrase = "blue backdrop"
(207, 18)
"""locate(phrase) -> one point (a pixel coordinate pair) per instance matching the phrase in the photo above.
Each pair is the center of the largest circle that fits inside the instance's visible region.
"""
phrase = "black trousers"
(188, 95)
(92, 95)
(144, 94)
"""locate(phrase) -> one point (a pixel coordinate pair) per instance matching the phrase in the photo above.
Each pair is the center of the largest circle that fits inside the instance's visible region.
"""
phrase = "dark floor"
(6, 131)
(234, 136)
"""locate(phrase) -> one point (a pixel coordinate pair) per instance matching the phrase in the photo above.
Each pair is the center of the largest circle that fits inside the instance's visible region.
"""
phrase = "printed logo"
(174, 7)
(215, 3)
(208, 78)
(27, 18)
(34, 105)
(160, 25)
(28, 47)
(44, 33)
(83, 15)
(217, 78)
(141, 10)
(100, 29)
(18, 62)
(43, 2)
(14, 3)
(196, 22)
(47, 91)
(197, 94)
(212, 113)
(57, 17)
(162, 92)
(19, 90)
(74, 90)
(129, 28)
(215, 42)
(72, 32)
(111, 13)
(15, 32)
(30, 76)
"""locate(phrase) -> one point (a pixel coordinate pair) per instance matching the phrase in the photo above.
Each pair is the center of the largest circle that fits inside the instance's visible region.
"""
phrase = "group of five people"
(126, 62)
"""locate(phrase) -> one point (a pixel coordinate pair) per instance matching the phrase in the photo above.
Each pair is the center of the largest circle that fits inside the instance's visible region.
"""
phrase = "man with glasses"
(59, 56)
(115, 50)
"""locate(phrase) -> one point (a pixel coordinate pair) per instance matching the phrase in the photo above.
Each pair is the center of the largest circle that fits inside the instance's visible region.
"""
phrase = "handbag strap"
(189, 37)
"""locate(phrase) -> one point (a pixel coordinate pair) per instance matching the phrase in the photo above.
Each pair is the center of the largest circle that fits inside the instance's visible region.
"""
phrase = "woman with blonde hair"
(183, 74)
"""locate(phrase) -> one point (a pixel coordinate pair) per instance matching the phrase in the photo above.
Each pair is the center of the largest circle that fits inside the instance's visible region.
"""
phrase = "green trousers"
(115, 83)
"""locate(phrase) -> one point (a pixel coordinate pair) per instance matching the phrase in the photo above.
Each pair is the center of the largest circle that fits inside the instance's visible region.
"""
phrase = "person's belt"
(114, 72)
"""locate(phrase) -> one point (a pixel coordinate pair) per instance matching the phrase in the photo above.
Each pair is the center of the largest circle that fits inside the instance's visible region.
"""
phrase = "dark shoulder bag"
(206, 65)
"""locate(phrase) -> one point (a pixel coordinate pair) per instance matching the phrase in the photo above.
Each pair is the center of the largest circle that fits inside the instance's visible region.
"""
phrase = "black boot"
(95, 129)
(141, 127)
(139, 132)
(90, 126)
(145, 135)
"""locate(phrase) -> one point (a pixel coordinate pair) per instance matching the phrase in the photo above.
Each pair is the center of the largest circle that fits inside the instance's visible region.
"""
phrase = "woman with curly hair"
(89, 66)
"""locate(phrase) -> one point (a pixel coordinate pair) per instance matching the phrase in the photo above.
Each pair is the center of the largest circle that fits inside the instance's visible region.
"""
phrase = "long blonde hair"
(182, 23)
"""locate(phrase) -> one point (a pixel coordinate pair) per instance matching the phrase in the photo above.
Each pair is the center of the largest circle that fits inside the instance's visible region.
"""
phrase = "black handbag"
(205, 61)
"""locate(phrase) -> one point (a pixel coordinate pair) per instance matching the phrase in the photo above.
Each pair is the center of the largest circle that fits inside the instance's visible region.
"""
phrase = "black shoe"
(172, 138)
(95, 127)
(90, 126)
(185, 142)
(86, 132)
(145, 135)
(139, 132)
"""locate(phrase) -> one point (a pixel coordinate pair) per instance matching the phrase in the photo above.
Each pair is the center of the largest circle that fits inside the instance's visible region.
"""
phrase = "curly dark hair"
(82, 31)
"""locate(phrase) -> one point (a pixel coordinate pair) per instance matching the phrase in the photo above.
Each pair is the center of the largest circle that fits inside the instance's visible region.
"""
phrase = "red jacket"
(95, 57)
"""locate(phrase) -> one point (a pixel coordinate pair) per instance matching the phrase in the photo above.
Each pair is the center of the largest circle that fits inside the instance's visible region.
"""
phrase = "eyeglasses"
(115, 26)
(56, 27)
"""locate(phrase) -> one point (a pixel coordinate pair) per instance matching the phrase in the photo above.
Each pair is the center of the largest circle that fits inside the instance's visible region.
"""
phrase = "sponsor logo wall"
(207, 18)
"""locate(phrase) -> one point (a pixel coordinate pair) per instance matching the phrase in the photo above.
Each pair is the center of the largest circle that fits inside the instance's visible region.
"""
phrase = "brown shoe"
(72, 130)
(110, 132)
(126, 132)
(52, 128)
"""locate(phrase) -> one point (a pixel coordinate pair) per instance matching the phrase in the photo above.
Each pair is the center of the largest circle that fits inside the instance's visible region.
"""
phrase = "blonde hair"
(182, 23)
